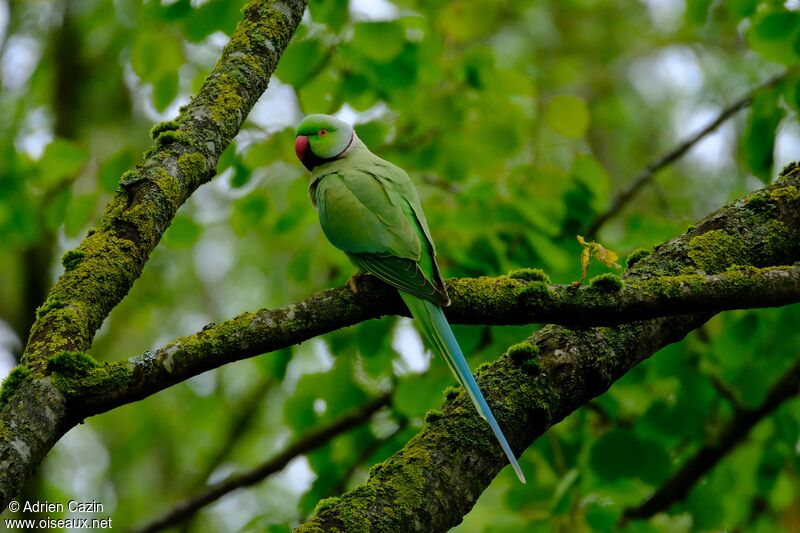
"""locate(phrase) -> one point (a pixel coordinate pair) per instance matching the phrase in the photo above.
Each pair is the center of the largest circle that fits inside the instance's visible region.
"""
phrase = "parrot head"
(321, 138)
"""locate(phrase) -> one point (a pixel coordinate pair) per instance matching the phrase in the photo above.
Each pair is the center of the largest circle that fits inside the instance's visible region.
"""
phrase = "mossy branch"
(565, 369)
(105, 265)
(503, 300)
(102, 269)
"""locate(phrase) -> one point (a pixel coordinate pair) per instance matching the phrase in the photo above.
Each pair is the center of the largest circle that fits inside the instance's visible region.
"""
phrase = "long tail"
(436, 329)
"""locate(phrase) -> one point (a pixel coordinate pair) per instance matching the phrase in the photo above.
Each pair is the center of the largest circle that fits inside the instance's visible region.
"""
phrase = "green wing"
(372, 213)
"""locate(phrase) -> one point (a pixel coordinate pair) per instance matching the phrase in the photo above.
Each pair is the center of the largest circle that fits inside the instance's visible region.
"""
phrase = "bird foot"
(354, 279)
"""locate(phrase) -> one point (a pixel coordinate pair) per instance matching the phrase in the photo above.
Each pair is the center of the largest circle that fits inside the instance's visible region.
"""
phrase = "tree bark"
(102, 269)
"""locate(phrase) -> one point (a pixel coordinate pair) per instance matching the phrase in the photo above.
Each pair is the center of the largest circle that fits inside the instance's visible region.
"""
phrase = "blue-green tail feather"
(436, 329)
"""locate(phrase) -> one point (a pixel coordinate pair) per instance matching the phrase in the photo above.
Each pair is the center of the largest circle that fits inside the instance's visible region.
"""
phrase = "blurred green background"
(518, 121)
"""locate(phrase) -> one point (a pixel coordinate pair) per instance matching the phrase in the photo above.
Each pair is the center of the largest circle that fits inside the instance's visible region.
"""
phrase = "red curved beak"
(302, 150)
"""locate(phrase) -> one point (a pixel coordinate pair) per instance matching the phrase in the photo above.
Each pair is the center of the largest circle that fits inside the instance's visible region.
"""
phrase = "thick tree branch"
(646, 176)
(102, 269)
(503, 300)
(308, 443)
(677, 486)
(540, 381)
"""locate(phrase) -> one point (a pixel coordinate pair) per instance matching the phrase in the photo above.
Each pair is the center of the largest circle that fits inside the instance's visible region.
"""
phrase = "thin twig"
(677, 486)
(311, 441)
(650, 171)
(241, 417)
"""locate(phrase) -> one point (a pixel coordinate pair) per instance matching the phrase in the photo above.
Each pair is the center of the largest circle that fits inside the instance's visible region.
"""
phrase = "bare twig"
(650, 171)
(311, 441)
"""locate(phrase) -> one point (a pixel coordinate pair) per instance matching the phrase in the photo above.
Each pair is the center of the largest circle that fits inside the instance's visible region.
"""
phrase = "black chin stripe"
(353, 136)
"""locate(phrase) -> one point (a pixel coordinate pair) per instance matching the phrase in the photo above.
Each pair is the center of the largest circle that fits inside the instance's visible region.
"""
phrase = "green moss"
(779, 242)
(15, 378)
(193, 166)
(522, 351)
(52, 303)
(788, 194)
(129, 177)
(168, 137)
(79, 375)
(716, 250)
(524, 355)
(636, 256)
(71, 258)
(529, 274)
(226, 104)
(451, 392)
(607, 282)
(757, 201)
(535, 290)
(326, 503)
(73, 363)
(433, 415)
(162, 127)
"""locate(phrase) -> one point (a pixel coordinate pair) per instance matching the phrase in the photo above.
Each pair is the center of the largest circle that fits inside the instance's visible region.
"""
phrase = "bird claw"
(353, 281)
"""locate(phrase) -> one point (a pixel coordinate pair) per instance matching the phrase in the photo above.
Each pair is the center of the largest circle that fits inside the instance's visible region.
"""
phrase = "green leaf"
(601, 514)
(759, 137)
(774, 35)
(79, 213)
(165, 90)
(588, 171)
(277, 147)
(697, 11)
(358, 92)
(322, 94)
(336, 387)
(56, 210)
(568, 115)
(380, 41)
(559, 503)
(112, 168)
(333, 13)
(61, 159)
(182, 233)
(248, 213)
(300, 61)
(156, 54)
(416, 394)
(373, 133)
(373, 336)
(620, 453)
(211, 16)
(742, 8)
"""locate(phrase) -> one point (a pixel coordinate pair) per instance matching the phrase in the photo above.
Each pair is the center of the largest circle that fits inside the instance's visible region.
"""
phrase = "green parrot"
(369, 208)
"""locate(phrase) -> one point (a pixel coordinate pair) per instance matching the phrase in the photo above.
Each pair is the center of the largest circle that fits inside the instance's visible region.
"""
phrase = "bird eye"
(323, 132)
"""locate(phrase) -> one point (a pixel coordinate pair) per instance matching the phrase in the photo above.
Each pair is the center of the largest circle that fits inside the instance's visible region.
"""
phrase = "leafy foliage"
(518, 122)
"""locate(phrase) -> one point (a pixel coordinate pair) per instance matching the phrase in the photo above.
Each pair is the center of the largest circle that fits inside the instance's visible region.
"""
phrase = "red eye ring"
(323, 132)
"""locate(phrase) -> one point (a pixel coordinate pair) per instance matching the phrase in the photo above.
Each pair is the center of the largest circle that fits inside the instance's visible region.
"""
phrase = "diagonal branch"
(543, 379)
(677, 486)
(99, 273)
(646, 176)
(308, 443)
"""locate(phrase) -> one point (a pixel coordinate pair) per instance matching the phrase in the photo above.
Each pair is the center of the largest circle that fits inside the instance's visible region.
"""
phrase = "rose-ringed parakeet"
(369, 208)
